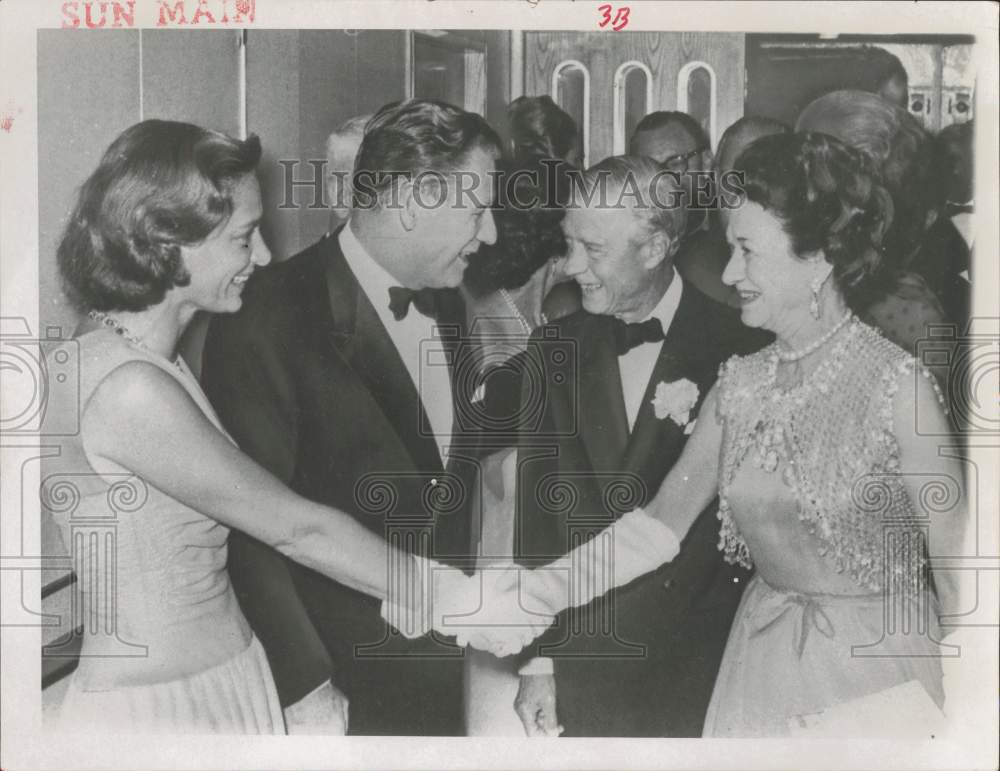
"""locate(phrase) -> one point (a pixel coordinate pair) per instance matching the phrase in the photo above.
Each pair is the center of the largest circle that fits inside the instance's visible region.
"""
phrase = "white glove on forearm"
(634, 545)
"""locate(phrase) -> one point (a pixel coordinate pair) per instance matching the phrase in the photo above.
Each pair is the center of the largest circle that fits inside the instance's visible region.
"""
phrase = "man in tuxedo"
(642, 660)
(335, 376)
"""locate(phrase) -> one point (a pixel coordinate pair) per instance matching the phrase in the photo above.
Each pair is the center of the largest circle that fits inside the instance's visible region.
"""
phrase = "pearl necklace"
(123, 332)
(525, 324)
(816, 344)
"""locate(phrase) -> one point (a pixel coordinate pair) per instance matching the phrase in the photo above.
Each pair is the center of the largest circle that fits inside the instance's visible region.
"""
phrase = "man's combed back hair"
(160, 185)
(413, 137)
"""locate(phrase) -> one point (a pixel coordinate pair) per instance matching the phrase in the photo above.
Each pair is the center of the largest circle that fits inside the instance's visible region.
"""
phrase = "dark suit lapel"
(602, 419)
(655, 443)
(359, 337)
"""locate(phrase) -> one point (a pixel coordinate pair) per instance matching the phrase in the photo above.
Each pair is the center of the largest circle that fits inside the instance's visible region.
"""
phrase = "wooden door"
(669, 58)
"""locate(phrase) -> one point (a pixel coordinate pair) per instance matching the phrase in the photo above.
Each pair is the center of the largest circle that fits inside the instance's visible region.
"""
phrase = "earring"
(814, 309)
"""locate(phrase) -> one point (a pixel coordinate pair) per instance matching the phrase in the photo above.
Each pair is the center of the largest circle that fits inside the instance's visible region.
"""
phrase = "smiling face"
(611, 254)
(445, 236)
(774, 283)
(221, 264)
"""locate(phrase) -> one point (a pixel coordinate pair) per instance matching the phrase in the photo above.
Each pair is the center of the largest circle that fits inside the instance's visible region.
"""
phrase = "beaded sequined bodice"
(831, 440)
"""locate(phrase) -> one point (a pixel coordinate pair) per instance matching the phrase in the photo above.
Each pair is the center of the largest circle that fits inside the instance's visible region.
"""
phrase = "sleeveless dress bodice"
(161, 621)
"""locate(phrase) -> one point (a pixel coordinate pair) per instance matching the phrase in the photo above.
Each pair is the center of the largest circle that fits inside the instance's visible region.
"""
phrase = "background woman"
(168, 225)
(811, 447)
(924, 253)
(511, 287)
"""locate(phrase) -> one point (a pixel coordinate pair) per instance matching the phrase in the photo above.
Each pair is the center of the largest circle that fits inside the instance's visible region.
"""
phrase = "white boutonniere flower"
(675, 400)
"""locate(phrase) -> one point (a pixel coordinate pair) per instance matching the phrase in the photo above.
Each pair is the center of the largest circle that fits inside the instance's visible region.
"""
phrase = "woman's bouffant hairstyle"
(529, 234)
(904, 156)
(161, 185)
(828, 198)
(539, 128)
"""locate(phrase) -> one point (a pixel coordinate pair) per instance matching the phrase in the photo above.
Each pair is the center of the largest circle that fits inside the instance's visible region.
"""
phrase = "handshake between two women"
(501, 609)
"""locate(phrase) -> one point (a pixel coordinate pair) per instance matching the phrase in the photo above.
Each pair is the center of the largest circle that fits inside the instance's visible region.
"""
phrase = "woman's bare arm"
(930, 476)
(143, 420)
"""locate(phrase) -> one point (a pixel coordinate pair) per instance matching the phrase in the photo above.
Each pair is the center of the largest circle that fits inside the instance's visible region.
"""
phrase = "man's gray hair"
(658, 199)
(343, 143)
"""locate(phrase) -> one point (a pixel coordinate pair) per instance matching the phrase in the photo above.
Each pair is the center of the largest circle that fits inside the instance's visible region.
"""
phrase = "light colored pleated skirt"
(792, 657)
(237, 696)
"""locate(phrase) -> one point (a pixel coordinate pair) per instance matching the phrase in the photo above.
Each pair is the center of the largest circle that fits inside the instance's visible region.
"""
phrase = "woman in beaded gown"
(166, 226)
(825, 487)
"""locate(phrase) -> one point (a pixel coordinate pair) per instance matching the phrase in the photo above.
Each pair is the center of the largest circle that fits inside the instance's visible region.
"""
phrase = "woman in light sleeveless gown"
(825, 486)
(146, 492)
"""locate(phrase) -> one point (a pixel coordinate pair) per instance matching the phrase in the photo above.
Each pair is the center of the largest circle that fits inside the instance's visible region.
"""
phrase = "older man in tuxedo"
(335, 376)
(642, 660)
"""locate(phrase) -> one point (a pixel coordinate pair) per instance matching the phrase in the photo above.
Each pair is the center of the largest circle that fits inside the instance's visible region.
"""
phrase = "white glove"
(481, 610)
(635, 544)
(499, 624)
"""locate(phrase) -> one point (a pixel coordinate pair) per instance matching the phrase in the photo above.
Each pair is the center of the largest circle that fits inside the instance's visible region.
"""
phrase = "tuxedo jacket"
(308, 382)
(642, 660)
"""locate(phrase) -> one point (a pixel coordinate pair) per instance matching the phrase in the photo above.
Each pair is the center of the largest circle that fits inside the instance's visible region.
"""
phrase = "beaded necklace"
(123, 332)
(525, 324)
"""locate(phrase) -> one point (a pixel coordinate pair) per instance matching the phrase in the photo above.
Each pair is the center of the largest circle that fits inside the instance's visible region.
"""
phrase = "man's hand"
(322, 712)
(536, 705)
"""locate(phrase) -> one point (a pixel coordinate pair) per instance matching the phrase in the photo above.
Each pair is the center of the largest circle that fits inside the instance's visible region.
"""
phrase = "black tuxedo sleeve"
(251, 388)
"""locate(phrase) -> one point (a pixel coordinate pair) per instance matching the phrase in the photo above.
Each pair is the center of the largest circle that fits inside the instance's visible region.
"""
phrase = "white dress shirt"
(636, 366)
(414, 337)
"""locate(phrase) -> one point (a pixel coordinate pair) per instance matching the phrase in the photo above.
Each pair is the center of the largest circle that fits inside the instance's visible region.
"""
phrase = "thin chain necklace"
(123, 332)
(525, 324)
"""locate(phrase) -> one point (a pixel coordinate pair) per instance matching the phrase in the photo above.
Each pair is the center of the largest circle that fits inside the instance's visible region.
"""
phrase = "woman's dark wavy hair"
(529, 234)
(161, 185)
(539, 128)
(828, 197)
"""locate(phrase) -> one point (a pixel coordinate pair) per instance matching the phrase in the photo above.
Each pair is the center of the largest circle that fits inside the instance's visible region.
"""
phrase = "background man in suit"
(323, 379)
(341, 149)
(679, 144)
(641, 661)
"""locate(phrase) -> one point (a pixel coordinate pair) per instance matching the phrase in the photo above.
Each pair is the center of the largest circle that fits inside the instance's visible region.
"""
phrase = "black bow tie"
(628, 336)
(423, 300)
(951, 209)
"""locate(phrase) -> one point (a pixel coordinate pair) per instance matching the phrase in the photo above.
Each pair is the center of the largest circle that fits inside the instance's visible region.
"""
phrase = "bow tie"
(951, 209)
(423, 300)
(628, 336)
